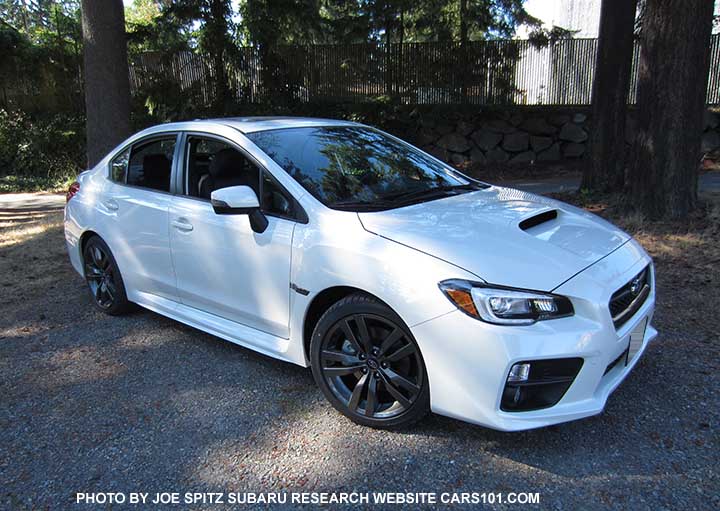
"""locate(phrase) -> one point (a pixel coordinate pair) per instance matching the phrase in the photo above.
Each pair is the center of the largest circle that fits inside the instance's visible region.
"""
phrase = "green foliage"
(41, 48)
(39, 153)
(149, 27)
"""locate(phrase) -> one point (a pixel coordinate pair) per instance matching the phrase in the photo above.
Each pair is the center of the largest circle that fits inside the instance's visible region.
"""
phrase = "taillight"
(74, 188)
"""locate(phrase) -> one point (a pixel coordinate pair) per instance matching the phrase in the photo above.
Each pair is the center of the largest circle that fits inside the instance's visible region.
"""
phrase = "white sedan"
(405, 285)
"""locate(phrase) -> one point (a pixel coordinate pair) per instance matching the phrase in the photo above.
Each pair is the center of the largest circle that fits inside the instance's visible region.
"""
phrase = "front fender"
(337, 251)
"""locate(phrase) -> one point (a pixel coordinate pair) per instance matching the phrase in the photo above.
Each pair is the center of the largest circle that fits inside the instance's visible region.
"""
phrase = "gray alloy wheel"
(368, 365)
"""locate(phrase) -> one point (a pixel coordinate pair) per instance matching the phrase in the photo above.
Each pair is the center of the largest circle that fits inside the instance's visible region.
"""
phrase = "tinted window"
(352, 164)
(213, 164)
(118, 168)
(150, 164)
(275, 201)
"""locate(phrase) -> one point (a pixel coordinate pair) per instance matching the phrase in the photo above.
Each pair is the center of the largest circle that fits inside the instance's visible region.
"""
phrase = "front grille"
(625, 302)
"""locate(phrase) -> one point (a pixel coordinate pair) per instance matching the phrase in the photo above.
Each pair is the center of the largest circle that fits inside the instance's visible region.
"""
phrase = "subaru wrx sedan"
(405, 285)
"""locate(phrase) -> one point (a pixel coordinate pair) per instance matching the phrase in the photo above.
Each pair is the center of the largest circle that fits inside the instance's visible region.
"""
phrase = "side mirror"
(239, 200)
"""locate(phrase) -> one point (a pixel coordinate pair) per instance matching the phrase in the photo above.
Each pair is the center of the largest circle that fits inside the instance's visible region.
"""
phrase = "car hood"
(504, 236)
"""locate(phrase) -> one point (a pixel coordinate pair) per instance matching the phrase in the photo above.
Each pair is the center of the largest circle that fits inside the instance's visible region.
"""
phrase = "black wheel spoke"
(350, 336)
(405, 351)
(92, 273)
(401, 381)
(110, 288)
(364, 334)
(98, 293)
(357, 392)
(395, 392)
(391, 339)
(96, 256)
(371, 401)
(339, 356)
(342, 370)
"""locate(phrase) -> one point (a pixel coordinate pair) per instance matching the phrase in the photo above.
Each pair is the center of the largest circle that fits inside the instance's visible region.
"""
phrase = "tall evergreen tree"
(672, 83)
(107, 84)
(606, 169)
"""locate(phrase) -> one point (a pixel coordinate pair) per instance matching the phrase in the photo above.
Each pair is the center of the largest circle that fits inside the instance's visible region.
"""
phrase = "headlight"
(505, 306)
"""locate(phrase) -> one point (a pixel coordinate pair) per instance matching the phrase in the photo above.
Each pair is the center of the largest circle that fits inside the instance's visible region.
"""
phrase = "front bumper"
(468, 360)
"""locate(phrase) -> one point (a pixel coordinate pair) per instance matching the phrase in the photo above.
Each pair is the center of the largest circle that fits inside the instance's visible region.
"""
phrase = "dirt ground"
(143, 403)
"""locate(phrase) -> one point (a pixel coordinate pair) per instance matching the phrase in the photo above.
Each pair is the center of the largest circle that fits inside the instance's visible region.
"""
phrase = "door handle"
(182, 225)
(111, 205)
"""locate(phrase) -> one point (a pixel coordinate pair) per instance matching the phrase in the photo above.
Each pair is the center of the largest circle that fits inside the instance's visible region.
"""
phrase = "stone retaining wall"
(524, 136)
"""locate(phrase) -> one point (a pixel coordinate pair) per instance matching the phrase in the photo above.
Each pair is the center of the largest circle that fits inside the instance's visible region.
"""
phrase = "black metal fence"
(495, 72)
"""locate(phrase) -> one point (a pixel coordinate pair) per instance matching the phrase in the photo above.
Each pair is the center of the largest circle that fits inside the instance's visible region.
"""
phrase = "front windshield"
(347, 166)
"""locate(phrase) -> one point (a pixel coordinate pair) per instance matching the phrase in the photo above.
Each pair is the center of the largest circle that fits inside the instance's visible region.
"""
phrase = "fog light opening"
(519, 373)
(536, 384)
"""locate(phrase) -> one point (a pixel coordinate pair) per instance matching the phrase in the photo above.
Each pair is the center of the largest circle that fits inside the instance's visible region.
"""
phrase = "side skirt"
(262, 342)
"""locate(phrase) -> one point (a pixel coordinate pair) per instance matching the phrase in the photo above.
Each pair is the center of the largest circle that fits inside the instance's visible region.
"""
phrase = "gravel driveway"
(142, 403)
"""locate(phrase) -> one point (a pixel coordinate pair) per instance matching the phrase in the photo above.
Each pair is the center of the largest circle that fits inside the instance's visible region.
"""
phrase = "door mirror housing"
(239, 200)
(234, 199)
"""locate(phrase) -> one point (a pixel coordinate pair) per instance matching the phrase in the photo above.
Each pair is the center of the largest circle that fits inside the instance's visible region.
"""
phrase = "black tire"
(105, 284)
(361, 346)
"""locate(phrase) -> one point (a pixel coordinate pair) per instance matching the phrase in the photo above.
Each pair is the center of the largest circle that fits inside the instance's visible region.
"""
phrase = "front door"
(223, 267)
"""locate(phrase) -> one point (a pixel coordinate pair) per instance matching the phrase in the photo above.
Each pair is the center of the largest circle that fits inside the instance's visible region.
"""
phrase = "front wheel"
(368, 365)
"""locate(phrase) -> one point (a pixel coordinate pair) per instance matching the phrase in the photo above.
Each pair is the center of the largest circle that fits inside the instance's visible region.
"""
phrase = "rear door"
(224, 267)
(136, 203)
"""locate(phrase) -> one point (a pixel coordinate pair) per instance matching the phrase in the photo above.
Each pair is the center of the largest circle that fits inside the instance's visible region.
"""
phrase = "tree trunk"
(218, 29)
(606, 169)
(674, 65)
(107, 83)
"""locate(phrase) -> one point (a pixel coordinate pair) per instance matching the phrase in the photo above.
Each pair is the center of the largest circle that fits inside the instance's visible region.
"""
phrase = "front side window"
(150, 164)
(213, 164)
(348, 166)
(275, 200)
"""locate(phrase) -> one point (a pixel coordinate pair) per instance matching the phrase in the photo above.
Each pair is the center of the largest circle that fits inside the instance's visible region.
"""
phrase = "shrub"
(42, 153)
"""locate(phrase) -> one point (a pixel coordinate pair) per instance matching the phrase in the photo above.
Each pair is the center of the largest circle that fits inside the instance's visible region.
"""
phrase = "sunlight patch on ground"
(21, 228)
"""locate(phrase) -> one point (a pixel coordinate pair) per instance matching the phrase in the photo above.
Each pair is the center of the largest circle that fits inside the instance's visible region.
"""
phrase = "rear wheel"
(368, 365)
(103, 278)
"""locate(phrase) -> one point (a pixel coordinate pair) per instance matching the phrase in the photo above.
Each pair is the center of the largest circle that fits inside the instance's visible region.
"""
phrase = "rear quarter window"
(119, 165)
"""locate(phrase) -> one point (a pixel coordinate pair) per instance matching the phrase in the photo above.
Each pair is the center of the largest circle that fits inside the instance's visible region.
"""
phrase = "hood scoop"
(536, 220)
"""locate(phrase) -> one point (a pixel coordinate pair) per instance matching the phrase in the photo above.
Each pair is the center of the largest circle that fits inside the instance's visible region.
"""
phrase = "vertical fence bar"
(494, 72)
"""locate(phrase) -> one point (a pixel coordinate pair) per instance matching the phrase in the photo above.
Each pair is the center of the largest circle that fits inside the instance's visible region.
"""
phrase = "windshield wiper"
(395, 200)
(353, 204)
(428, 192)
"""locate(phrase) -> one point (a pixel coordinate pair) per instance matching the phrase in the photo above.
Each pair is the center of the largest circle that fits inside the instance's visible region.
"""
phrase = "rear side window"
(118, 167)
(150, 164)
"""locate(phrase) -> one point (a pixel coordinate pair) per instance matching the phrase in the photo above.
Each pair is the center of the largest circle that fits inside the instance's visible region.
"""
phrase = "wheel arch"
(322, 302)
(84, 237)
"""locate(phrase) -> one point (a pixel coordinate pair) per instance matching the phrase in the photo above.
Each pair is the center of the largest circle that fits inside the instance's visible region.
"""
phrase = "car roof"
(254, 124)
